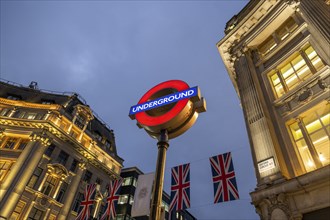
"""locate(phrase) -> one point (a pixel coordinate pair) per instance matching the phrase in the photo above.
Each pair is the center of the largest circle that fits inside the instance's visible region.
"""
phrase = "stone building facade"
(277, 55)
(51, 146)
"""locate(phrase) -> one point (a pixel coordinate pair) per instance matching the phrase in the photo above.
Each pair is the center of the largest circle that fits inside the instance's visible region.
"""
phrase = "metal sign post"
(159, 176)
(166, 111)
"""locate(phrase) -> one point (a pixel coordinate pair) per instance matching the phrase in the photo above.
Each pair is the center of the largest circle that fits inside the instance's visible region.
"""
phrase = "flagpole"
(162, 144)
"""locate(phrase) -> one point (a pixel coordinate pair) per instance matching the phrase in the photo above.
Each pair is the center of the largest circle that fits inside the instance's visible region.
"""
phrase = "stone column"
(259, 131)
(9, 202)
(58, 188)
(70, 193)
(10, 179)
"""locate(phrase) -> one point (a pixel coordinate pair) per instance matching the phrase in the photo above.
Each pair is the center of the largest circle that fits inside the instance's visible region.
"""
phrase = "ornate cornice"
(19, 103)
(42, 137)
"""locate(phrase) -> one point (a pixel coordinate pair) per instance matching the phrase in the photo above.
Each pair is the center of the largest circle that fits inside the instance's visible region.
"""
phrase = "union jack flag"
(180, 188)
(224, 181)
(88, 201)
(112, 199)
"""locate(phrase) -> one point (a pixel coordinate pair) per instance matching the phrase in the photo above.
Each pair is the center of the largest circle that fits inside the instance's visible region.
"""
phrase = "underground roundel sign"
(170, 105)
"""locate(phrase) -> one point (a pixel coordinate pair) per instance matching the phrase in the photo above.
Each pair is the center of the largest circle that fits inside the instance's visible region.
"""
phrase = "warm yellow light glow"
(287, 34)
(321, 157)
(311, 55)
(299, 64)
(320, 140)
(313, 124)
(316, 61)
(310, 163)
(303, 71)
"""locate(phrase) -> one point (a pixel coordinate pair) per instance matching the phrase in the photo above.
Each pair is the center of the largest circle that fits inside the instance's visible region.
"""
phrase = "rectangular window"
(30, 115)
(34, 178)
(268, 45)
(295, 70)
(80, 121)
(74, 165)
(316, 122)
(36, 214)
(127, 181)
(123, 199)
(49, 186)
(62, 158)
(14, 97)
(18, 210)
(286, 28)
(62, 191)
(77, 201)
(10, 143)
(5, 112)
(22, 144)
(88, 176)
(50, 150)
(5, 166)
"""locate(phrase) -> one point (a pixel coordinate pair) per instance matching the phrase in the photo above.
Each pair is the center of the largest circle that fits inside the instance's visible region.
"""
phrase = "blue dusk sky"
(112, 52)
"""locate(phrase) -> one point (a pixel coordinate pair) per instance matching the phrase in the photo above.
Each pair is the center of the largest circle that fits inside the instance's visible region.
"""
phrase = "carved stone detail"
(305, 95)
(278, 202)
(42, 137)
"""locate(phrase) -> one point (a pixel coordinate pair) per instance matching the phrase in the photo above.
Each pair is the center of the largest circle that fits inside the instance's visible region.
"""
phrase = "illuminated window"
(316, 125)
(49, 186)
(52, 217)
(18, 210)
(22, 144)
(123, 199)
(10, 143)
(286, 28)
(5, 112)
(292, 72)
(127, 181)
(80, 121)
(5, 166)
(281, 33)
(266, 46)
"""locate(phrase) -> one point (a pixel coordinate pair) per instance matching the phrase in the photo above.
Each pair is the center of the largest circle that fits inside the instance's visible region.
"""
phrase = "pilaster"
(11, 198)
(71, 192)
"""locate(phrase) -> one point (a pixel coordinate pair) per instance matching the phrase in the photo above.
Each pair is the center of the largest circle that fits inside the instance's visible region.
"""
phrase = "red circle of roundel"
(145, 119)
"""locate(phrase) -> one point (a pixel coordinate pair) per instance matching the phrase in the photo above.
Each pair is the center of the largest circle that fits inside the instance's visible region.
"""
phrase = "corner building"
(51, 146)
(277, 55)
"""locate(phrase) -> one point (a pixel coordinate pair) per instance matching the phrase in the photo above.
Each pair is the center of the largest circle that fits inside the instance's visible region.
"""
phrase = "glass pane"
(304, 72)
(305, 155)
(279, 90)
(298, 62)
(312, 123)
(318, 64)
(310, 52)
(286, 71)
(275, 80)
(322, 145)
(292, 81)
(295, 131)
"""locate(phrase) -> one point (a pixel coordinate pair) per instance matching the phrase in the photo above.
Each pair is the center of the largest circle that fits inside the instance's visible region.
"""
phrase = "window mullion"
(309, 143)
(285, 87)
(308, 62)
